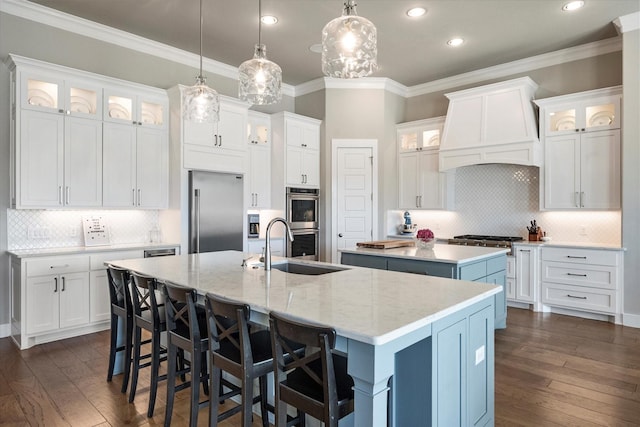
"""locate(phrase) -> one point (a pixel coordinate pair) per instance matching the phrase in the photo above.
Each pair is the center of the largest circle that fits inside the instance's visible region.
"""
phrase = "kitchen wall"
(34, 228)
(501, 200)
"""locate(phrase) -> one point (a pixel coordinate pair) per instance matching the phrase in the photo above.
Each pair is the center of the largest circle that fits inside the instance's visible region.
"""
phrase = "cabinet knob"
(340, 235)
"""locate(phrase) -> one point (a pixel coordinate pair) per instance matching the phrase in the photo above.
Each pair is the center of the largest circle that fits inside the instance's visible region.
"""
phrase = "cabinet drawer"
(596, 276)
(57, 265)
(497, 264)
(578, 297)
(98, 260)
(581, 256)
(473, 271)
(421, 267)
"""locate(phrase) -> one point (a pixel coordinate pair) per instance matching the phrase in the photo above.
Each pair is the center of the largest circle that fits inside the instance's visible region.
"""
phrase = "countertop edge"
(78, 250)
(390, 254)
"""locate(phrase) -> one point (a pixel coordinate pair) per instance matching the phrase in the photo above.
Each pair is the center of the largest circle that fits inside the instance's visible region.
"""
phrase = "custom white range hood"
(491, 124)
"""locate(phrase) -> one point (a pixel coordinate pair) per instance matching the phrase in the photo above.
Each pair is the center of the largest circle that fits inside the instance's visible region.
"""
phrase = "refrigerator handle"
(196, 198)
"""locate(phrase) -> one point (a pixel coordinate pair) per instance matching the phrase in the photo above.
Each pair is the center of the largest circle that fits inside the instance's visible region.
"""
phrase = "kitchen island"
(474, 263)
(420, 346)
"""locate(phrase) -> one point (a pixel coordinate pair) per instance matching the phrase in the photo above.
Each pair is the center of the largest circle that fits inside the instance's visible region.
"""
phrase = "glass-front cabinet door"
(121, 106)
(419, 135)
(50, 93)
(584, 112)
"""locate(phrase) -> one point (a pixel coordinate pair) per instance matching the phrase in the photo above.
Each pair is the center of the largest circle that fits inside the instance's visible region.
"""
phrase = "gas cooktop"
(481, 240)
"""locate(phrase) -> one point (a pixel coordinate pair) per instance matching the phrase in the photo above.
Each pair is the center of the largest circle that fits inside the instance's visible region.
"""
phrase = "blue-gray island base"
(420, 348)
(473, 263)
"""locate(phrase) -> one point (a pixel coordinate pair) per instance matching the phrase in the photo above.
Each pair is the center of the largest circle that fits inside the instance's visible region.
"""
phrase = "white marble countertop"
(585, 245)
(78, 250)
(451, 254)
(368, 305)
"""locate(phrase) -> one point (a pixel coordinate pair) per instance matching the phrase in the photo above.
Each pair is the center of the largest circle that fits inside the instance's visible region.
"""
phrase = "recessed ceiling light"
(416, 12)
(455, 42)
(573, 5)
(268, 19)
(316, 48)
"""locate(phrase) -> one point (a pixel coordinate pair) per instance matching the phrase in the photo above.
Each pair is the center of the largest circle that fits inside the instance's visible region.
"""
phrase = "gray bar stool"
(121, 310)
(315, 383)
(149, 315)
(246, 356)
(187, 331)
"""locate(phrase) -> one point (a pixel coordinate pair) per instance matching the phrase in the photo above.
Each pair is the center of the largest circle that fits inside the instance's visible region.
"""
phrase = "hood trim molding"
(495, 123)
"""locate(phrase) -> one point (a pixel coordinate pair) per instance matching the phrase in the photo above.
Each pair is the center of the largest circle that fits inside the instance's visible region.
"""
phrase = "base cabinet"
(461, 375)
(524, 286)
(57, 297)
(492, 270)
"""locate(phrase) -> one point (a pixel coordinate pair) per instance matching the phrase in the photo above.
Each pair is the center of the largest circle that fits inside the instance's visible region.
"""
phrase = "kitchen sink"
(306, 269)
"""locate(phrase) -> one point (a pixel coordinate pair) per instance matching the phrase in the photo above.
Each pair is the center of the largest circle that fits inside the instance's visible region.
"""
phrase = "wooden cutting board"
(386, 244)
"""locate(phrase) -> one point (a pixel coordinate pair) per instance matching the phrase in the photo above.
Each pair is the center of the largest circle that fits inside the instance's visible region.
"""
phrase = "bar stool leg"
(113, 346)
(137, 338)
(264, 412)
(155, 368)
(127, 354)
(171, 384)
(196, 366)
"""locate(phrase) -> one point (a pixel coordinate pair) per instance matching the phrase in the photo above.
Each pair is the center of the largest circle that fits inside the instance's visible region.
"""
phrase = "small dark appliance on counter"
(254, 226)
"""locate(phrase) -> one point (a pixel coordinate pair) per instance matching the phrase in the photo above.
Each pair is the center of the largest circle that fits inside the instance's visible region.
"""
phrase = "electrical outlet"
(73, 231)
(583, 230)
(36, 232)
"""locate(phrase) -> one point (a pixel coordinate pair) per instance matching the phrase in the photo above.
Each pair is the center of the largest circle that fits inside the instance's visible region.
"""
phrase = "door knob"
(340, 235)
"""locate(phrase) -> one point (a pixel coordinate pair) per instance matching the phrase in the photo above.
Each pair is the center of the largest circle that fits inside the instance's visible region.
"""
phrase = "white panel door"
(83, 162)
(354, 196)
(42, 300)
(99, 302)
(600, 170)
(431, 185)
(561, 165)
(74, 299)
(152, 168)
(119, 180)
(408, 180)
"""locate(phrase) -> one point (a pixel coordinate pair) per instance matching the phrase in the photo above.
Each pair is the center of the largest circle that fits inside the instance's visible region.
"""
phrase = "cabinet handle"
(576, 297)
(582, 199)
(576, 257)
(304, 145)
(59, 194)
(525, 250)
(133, 197)
(256, 204)
(215, 142)
(58, 266)
(134, 122)
(306, 179)
(576, 275)
(577, 130)
(339, 234)
(55, 287)
(67, 195)
(583, 129)
(575, 199)
(424, 273)
(139, 123)
(62, 283)
(139, 197)
(220, 139)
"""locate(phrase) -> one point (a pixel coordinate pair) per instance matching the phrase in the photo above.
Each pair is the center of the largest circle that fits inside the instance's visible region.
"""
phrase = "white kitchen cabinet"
(259, 153)
(588, 111)
(420, 183)
(295, 155)
(582, 171)
(510, 278)
(135, 107)
(256, 246)
(582, 279)
(526, 274)
(136, 166)
(57, 293)
(219, 147)
(56, 132)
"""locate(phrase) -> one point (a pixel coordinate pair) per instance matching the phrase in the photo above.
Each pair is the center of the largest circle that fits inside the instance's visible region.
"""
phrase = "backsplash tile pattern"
(501, 199)
(33, 229)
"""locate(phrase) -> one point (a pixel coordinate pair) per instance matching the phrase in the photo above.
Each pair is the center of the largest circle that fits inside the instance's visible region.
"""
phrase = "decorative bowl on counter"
(425, 239)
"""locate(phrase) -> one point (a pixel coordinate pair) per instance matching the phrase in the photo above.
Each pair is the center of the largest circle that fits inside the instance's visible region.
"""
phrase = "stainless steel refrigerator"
(215, 211)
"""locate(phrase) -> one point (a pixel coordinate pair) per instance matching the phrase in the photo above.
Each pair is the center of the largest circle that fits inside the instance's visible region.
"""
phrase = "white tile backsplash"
(501, 199)
(33, 229)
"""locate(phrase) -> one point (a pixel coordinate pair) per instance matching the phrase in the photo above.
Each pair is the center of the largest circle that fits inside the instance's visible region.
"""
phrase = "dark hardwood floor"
(551, 370)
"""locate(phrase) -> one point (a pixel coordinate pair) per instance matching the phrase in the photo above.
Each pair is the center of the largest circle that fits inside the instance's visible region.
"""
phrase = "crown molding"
(64, 21)
(584, 51)
(628, 23)
(381, 83)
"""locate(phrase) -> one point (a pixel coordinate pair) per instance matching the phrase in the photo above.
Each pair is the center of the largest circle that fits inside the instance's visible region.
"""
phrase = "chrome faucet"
(267, 246)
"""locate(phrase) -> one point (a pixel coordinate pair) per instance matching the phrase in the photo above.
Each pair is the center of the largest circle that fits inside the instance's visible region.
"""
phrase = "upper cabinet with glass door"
(124, 105)
(420, 134)
(258, 128)
(583, 112)
(50, 92)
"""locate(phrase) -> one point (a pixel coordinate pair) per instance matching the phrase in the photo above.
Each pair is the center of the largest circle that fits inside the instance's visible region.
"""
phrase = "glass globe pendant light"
(260, 79)
(200, 103)
(349, 45)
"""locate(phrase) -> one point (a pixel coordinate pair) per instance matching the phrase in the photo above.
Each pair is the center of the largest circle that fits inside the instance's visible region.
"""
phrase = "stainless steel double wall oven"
(302, 215)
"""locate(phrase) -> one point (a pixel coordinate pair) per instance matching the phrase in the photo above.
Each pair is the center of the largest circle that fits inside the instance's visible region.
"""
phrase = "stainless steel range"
(487, 241)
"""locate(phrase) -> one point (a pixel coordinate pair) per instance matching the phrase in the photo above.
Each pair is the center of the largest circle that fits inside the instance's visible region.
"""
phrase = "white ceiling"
(410, 51)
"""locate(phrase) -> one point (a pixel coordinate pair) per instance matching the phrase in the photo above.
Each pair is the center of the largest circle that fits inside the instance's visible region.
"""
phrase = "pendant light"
(200, 103)
(349, 45)
(260, 79)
